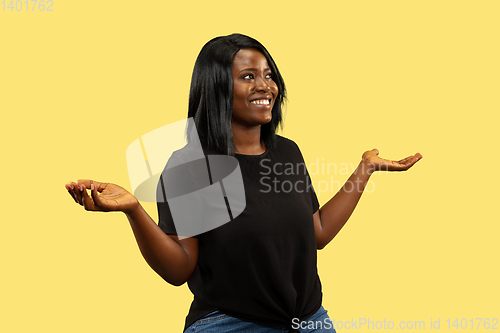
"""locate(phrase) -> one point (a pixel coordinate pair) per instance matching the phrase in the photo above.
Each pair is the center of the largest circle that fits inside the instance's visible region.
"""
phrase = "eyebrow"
(255, 69)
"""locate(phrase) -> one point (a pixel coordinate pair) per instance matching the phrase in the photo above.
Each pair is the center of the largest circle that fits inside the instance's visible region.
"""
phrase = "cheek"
(239, 92)
(237, 96)
(239, 100)
(274, 89)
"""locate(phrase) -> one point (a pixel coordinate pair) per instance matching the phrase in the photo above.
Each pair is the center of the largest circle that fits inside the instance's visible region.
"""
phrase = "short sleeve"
(179, 186)
(314, 198)
(165, 220)
(166, 181)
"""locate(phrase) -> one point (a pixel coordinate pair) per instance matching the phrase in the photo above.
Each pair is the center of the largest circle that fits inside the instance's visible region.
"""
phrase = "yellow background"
(79, 84)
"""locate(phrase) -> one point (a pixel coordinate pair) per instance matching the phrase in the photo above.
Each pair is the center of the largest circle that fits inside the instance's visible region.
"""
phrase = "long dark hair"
(211, 94)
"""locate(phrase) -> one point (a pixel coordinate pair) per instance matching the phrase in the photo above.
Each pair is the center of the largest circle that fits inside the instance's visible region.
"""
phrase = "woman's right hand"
(105, 197)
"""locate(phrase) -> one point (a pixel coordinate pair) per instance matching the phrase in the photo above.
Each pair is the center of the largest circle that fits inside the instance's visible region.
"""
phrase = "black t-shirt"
(261, 266)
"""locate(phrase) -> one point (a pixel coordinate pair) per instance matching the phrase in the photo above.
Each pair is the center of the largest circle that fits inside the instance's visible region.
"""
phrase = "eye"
(248, 76)
(269, 76)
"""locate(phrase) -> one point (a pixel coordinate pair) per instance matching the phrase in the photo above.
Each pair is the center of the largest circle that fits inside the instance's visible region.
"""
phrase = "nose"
(262, 85)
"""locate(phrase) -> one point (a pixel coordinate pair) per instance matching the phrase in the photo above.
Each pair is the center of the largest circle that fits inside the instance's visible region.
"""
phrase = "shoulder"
(286, 144)
(186, 154)
(288, 149)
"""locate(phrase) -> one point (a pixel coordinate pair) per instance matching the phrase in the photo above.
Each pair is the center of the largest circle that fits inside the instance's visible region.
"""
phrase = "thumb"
(375, 151)
(95, 196)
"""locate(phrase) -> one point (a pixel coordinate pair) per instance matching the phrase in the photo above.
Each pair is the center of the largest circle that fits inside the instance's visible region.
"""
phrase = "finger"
(87, 201)
(375, 151)
(410, 159)
(84, 182)
(88, 182)
(414, 160)
(96, 198)
(418, 156)
(77, 191)
(70, 189)
(409, 163)
(404, 160)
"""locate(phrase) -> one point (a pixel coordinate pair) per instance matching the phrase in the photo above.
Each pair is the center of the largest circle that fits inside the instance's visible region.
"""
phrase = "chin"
(266, 120)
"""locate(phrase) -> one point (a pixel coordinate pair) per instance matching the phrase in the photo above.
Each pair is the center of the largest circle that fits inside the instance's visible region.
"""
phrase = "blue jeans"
(217, 322)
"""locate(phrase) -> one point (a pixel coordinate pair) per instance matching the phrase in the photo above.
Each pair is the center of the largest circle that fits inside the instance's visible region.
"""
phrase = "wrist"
(365, 168)
(133, 209)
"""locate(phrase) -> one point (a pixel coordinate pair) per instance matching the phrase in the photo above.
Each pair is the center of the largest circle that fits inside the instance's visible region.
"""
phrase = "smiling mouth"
(261, 101)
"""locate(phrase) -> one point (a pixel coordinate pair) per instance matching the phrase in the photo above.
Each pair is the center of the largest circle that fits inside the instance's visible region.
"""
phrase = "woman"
(258, 272)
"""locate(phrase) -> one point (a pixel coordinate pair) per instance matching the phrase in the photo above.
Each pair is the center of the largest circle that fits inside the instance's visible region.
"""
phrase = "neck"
(247, 140)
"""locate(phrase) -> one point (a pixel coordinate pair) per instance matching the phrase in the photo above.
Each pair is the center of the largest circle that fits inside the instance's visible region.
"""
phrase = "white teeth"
(261, 101)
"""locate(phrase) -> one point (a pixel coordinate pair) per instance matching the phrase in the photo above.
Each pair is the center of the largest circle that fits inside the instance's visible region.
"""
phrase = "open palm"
(375, 162)
(104, 197)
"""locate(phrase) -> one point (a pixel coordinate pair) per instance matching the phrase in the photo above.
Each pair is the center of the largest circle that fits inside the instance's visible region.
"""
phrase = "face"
(255, 91)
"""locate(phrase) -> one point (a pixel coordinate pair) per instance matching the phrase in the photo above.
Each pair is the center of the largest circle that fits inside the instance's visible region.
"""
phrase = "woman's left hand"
(373, 162)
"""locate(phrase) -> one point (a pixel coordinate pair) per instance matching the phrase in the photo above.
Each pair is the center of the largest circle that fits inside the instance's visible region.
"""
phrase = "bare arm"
(173, 259)
(330, 218)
